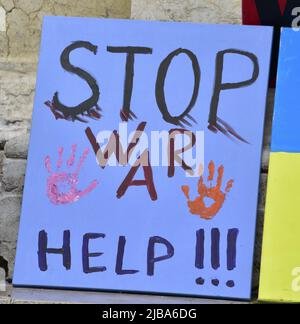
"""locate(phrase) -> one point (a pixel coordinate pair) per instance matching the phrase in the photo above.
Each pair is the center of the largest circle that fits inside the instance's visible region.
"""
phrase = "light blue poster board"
(185, 92)
(286, 131)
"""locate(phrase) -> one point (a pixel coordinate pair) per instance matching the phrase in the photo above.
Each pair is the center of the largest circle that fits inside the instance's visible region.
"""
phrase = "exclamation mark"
(231, 253)
(215, 253)
(200, 246)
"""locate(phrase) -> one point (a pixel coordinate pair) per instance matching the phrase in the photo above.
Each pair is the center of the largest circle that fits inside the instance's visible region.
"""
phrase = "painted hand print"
(62, 186)
(199, 206)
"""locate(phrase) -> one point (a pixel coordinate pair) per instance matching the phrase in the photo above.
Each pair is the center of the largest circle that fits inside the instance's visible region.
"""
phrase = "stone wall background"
(23, 19)
(209, 11)
(20, 24)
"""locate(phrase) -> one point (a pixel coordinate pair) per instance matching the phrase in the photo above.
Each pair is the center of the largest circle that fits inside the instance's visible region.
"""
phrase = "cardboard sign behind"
(144, 158)
(281, 258)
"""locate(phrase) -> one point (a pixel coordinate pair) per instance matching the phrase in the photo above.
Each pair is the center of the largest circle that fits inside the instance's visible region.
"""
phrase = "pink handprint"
(62, 186)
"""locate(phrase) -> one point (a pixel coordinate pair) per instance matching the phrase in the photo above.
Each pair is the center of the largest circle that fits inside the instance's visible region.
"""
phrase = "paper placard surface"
(108, 202)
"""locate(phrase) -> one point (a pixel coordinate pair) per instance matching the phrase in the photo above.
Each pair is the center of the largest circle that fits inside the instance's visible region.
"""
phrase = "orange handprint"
(198, 206)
